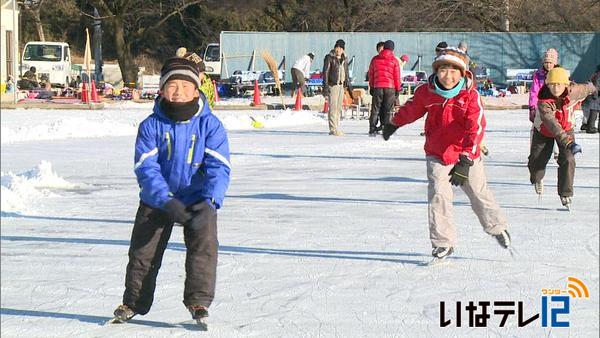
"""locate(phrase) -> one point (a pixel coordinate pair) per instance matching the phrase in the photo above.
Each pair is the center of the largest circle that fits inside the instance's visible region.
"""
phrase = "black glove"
(176, 209)
(388, 130)
(568, 141)
(326, 91)
(371, 91)
(203, 213)
(460, 173)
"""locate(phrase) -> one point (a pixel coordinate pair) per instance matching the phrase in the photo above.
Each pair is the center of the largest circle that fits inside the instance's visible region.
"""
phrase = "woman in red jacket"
(454, 128)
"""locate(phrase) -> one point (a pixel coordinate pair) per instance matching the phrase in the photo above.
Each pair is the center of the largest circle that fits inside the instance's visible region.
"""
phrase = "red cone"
(84, 93)
(298, 105)
(256, 96)
(94, 93)
(326, 107)
(217, 98)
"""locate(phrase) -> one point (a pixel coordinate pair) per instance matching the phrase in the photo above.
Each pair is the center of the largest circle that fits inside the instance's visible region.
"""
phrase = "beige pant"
(336, 100)
(442, 230)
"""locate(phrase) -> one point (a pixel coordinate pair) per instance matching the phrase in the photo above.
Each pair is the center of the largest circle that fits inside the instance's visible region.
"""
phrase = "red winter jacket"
(557, 114)
(453, 126)
(384, 71)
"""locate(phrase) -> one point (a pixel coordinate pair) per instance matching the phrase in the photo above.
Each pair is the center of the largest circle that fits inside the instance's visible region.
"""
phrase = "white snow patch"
(24, 191)
(67, 128)
(268, 119)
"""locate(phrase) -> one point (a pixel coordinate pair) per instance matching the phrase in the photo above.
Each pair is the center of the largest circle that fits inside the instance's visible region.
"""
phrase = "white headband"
(450, 57)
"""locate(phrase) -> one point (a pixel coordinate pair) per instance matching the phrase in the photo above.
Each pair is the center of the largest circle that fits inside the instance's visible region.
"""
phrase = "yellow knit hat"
(558, 75)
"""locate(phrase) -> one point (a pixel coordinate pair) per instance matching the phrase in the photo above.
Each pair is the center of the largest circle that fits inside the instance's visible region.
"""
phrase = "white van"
(52, 60)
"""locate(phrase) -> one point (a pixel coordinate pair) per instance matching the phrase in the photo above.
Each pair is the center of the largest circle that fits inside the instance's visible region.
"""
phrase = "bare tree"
(134, 21)
(31, 8)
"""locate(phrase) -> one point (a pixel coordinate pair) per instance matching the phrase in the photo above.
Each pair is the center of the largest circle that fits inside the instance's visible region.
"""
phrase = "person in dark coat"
(591, 106)
(336, 81)
(182, 167)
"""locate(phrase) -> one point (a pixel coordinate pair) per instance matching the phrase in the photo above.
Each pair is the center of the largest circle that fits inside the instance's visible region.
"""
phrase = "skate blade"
(436, 261)
(202, 325)
(115, 320)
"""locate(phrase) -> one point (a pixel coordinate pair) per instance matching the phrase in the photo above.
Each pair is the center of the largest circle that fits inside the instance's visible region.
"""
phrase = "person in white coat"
(301, 72)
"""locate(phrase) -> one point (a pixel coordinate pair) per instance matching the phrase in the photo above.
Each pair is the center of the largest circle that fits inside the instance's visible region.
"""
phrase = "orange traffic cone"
(256, 96)
(217, 98)
(347, 101)
(326, 107)
(94, 93)
(84, 93)
(298, 105)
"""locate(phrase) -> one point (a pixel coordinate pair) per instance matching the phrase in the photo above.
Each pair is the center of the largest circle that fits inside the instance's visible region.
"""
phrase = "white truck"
(212, 60)
(52, 60)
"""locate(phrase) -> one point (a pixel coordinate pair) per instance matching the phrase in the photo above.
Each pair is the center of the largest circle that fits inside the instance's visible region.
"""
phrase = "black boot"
(591, 123)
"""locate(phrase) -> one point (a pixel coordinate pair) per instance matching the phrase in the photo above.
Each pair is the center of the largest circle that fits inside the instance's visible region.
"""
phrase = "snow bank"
(23, 192)
(123, 119)
(67, 128)
(268, 119)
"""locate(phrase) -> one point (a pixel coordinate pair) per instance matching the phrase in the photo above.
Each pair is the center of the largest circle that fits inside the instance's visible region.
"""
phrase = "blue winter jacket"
(186, 160)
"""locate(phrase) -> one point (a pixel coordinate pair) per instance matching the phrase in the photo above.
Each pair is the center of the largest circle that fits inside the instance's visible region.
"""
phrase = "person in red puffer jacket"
(454, 128)
(384, 81)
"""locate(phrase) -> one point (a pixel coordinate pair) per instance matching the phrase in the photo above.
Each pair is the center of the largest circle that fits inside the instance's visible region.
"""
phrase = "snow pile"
(269, 119)
(292, 118)
(67, 128)
(123, 119)
(269, 99)
(20, 192)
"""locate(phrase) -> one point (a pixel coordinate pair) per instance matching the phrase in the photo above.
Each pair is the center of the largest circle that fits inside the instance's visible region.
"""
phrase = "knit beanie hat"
(179, 69)
(182, 52)
(389, 44)
(551, 55)
(558, 75)
(451, 56)
(441, 46)
(340, 43)
(404, 58)
(184, 66)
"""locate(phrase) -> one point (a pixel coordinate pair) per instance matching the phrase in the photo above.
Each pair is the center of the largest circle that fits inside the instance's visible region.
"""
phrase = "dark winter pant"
(382, 106)
(539, 155)
(592, 119)
(298, 81)
(149, 239)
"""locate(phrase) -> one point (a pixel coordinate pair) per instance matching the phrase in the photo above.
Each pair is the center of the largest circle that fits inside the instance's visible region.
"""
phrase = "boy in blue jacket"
(182, 167)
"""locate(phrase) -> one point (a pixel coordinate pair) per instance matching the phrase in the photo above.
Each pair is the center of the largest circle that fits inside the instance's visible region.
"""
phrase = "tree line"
(154, 29)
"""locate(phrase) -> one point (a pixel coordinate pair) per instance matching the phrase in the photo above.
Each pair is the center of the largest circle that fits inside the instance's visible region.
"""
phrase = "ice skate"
(539, 188)
(504, 239)
(123, 314)
(199, 312)
(439, 255)
(566, 202)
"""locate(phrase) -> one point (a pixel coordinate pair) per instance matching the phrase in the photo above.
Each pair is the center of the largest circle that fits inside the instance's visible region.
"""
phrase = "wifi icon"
(577, 288)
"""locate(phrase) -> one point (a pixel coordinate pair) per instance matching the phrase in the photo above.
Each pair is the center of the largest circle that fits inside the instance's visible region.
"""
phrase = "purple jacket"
(539, 77)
